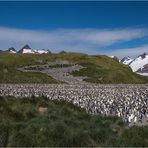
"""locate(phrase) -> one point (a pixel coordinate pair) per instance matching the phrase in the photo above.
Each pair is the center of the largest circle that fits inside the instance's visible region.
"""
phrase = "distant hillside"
(98, 69)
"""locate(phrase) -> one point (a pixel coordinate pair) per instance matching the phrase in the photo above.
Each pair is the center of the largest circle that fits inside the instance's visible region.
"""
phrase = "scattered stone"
(43, 109)
(60, 73)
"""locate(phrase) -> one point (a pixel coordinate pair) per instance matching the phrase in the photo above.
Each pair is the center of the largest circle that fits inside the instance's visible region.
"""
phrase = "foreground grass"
(30, 122)
(99, 69)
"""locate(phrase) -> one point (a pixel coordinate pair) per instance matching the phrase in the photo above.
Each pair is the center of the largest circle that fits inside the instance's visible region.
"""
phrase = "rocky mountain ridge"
(138, 65)
(27, 49)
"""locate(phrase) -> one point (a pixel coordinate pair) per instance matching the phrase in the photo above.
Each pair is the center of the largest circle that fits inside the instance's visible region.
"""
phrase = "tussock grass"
(63, 124)
(99, 68)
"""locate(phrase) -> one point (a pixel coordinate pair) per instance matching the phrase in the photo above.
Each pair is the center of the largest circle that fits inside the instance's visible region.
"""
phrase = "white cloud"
(77, 40)
(132, 52)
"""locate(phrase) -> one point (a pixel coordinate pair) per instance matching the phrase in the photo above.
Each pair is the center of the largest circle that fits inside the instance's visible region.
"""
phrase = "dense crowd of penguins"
(130, 102)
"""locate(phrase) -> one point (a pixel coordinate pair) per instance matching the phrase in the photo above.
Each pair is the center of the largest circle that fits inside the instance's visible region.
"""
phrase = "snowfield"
(139, 63)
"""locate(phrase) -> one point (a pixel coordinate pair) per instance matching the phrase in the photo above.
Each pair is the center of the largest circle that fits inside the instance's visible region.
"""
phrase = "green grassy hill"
(9, 73)
(38, 122)
(99, 69)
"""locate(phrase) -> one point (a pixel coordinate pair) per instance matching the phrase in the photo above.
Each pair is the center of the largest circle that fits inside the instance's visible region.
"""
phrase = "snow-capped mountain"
(143, 71)
(140, 64)
(11, 50)
(41, 51)
(28, 49)
(126, 60)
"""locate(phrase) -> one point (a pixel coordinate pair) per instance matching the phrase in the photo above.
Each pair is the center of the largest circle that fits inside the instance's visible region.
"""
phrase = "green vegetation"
(29, 122)
(99, 69)
(102, 69)
(9, 73)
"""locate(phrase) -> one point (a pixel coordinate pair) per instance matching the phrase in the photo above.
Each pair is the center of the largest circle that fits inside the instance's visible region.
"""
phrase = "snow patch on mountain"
(27, 51)
(139, 62)
(11, 50)
(143, 74)
(138, 65)
(126, 60)
(41, 51)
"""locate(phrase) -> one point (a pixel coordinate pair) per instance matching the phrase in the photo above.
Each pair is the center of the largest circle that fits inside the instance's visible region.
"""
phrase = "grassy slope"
(102, 69)
(99, 69)
(9, 73)
(63, 124)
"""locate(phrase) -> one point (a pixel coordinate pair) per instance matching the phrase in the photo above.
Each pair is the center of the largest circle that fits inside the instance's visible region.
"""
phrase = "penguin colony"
(130, 102)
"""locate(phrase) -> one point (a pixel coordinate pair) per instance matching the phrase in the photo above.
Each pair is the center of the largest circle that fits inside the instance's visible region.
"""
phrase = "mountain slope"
(41, 51)
(9, 73)
(98, 69)
(140, 63)
(101, 69)
(115, 58)
(26, 49)
(126, 60)
(11, 50)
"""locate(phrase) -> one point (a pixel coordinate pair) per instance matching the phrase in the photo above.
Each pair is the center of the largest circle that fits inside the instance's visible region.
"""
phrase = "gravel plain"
(59, 70)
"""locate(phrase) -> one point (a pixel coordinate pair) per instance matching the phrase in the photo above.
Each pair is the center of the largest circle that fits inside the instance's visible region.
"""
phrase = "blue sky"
(113, 28)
